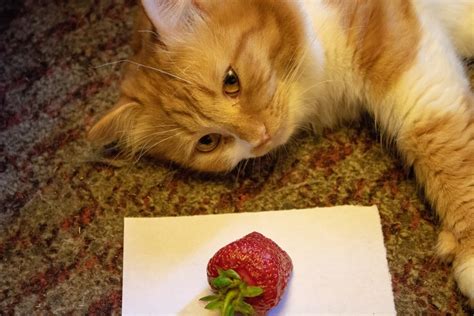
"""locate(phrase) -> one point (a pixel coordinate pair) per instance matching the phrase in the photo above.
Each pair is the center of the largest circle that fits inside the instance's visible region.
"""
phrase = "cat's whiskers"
(239, 167)
(158, 143)
(245, 164)
(141, 146)
(138, 142)
(149, 138)
(163, 132)
(259, 166)
(290, 70)
(308, 89)
(158, 127)
(151, 32)
(146, 67)
(291, 73)
(125, 137)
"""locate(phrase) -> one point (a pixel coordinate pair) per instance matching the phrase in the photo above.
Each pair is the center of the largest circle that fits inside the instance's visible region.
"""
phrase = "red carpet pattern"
(61, 211)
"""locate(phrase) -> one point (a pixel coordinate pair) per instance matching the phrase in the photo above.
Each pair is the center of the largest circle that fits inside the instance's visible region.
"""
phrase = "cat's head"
(212, 82)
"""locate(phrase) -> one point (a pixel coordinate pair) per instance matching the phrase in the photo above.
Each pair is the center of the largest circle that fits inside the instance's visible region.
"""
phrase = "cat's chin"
(262, 150)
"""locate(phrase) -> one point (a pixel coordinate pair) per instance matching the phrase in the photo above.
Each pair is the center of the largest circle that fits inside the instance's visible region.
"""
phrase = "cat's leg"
(440, 147)
(429, 113)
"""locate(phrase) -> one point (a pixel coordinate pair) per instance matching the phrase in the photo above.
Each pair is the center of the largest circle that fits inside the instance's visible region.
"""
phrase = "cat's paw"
(464, 275)
(449, 249)
(446, 246)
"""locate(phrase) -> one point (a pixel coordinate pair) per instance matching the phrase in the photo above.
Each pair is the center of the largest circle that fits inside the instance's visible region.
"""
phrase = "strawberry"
(249, 276)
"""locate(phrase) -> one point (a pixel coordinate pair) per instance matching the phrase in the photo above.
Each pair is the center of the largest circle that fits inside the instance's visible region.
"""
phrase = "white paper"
(338, 255)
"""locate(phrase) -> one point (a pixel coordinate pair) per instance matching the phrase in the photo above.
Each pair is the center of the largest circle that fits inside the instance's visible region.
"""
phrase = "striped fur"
(319, 62)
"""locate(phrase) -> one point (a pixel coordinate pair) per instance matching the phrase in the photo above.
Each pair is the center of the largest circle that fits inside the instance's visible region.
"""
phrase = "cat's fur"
(319, 62)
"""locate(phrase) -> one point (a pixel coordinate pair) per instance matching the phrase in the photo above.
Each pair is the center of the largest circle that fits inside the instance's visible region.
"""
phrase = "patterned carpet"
(61, 213)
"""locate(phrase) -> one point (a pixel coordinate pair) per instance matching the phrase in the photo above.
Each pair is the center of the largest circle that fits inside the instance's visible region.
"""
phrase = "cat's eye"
(231, 83)
(208, 143)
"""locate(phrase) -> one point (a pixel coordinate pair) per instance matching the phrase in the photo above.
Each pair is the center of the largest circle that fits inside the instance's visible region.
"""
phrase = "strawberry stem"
(228, 302)
(231, 292)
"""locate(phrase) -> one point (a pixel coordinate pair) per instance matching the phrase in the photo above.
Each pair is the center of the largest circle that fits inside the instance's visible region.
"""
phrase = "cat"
(215, 82)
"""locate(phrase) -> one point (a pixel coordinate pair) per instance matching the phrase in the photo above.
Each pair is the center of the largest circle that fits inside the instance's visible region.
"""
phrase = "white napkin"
(338, 255)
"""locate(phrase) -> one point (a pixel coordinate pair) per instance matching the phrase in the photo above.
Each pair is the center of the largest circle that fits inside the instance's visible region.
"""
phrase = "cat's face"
(216, 88)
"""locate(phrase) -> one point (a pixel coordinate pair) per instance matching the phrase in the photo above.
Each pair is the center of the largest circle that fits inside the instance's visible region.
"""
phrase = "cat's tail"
(457, 17)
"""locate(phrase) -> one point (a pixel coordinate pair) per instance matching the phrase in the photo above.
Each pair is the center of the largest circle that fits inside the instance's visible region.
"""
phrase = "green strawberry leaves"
(230, 273)
(221, 282)
(216, 304)
(209, 298)
(231, 292)
(244, 308)
(251, 291)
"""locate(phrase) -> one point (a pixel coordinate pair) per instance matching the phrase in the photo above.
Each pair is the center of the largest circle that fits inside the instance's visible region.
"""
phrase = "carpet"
(61, 211)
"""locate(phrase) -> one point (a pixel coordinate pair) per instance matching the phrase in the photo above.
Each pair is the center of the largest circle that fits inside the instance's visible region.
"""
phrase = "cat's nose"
(264, 136)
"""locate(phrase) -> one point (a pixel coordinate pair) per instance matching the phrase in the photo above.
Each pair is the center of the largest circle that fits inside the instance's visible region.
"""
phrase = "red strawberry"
(248, 275)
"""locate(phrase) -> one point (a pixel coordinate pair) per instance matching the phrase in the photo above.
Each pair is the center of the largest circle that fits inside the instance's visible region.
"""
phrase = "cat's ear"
(170, 17)
(115, 124)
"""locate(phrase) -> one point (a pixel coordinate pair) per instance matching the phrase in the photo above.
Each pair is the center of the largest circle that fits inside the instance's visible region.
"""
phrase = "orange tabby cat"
(215, 82)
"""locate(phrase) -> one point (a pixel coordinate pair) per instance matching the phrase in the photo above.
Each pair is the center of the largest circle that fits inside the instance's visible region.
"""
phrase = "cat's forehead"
(205, 60)
(234, 23)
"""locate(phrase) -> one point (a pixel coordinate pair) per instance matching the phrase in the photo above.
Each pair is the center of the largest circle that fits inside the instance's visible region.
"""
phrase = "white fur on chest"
(333, 91)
